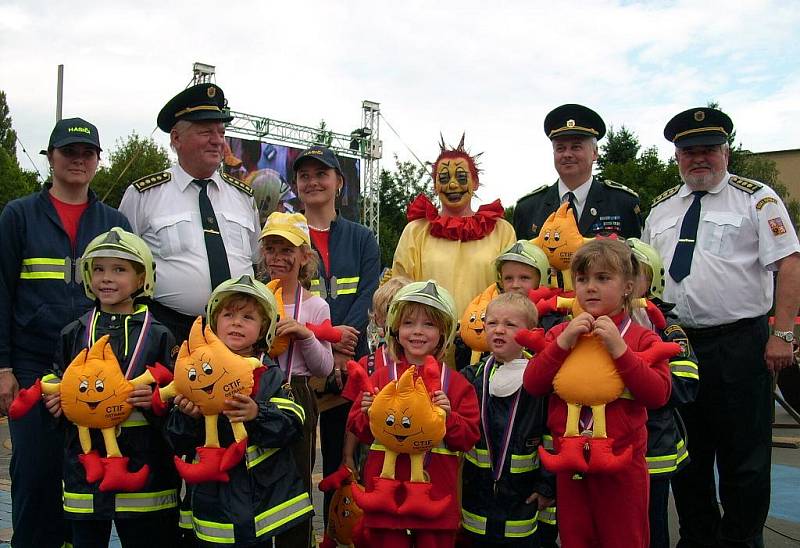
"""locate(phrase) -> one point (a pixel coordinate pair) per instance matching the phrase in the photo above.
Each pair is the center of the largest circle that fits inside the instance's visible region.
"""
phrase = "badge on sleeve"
(776, 225)
(764, 201)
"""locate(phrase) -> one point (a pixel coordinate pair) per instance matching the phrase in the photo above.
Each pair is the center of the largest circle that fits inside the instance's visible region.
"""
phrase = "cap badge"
(570, 123)
(212, 91)
(593, 211)
(699, 116)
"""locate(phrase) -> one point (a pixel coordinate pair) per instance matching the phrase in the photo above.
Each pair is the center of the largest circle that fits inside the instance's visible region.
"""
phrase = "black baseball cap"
(572, 119)
(321, 154)
(700, 126)
(73, 130)
(201, 102)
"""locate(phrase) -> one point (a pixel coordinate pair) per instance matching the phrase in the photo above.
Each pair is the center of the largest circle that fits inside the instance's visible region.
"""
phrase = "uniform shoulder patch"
(151, 181)
(244, 187)
(747, 185)
(618, 186)
(665, 195)
(534, 192)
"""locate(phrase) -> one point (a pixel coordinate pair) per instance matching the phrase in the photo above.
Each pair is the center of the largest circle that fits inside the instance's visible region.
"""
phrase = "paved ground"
(782, 528)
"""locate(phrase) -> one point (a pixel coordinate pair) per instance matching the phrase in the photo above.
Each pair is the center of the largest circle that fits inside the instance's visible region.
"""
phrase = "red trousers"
(609, 510)
(399, 538)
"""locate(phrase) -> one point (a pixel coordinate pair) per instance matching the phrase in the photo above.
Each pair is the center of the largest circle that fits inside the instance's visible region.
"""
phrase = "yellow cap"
(292, 226)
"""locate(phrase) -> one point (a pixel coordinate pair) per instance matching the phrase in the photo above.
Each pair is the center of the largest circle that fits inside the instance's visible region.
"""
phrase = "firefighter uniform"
(40, 293)
(154, 508)
(496, 512)
(265, 495)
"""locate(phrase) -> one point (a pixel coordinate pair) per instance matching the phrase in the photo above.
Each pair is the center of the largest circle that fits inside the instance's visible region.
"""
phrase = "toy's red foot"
(380, 499)
(93, 465)
(432, 374)
(117, 478)
(207, 469)
(331, 482)
(570, 457)
(328, 542)
(418, 502)
(233, 455)
(25, 400)
(325, 331)
(602, 459)
(533, 339)
(157, 405)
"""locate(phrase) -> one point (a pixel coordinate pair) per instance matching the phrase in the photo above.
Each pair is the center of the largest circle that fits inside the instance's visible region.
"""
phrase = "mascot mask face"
(455, 177)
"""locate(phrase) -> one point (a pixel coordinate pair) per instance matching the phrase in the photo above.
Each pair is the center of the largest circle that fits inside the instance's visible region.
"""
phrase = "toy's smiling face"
(560, 238)
(94, 390)
(473, 330)
(403, 418)
(210, 373)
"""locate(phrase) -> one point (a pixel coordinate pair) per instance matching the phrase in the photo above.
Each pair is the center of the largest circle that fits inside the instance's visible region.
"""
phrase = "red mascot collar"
(462, 229)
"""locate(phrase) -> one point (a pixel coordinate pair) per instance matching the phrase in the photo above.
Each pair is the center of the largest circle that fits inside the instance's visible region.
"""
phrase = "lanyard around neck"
(298, 300)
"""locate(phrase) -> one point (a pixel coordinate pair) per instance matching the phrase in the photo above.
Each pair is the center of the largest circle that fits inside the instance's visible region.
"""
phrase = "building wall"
(788, 164)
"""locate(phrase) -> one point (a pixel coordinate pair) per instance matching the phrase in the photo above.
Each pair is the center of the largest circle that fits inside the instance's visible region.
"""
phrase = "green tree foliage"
(622, 160)
(398, 188)
(15, 182)
(132, 158)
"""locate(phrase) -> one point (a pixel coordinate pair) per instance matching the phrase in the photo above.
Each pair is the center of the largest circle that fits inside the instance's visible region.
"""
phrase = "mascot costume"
(455, 246)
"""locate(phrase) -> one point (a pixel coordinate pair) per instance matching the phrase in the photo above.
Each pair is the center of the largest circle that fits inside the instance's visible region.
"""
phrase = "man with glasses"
(722, 238)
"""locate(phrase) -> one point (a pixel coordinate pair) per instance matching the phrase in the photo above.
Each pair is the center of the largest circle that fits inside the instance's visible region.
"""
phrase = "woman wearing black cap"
(348, 276)
(42, 236)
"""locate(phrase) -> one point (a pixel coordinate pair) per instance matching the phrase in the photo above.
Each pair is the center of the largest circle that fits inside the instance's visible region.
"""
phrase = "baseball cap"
(320, 153)
(74, 130)
(292, 226)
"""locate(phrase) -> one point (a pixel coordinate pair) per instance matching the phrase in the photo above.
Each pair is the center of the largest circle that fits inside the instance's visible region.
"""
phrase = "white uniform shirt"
(581, 193)
(167, 217)
(740, 238)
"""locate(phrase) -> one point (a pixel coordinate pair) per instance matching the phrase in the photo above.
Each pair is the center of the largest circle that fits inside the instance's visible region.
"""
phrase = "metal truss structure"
(363, 143)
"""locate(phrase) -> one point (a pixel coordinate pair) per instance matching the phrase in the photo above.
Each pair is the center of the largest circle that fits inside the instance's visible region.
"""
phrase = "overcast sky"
(492, 69)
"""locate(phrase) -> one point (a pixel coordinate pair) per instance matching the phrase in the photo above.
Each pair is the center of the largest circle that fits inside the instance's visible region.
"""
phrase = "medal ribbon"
(298, 300)
(148, 320)
(496, 465)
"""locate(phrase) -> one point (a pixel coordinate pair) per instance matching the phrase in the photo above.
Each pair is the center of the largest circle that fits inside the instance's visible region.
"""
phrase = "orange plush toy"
(471, 329)
(344, 518)
(94, 394)
(589, 377)
(207, 373)
(404, 420)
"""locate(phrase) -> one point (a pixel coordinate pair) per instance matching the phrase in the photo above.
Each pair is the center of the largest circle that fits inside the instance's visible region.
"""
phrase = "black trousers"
(659, 512)
(36, 473)
(159, 530)
(332, 423)
(728, 423)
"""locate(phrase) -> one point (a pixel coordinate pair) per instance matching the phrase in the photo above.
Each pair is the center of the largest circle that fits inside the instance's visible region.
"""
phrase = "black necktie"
(682, 259)
(215, 247)
(570, 198)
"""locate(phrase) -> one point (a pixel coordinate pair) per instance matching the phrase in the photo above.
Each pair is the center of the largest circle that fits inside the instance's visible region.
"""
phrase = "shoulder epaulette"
(244, 187)
(534, 192)
(618, 186)
(152, 181)
(664, 195)
(748, 185)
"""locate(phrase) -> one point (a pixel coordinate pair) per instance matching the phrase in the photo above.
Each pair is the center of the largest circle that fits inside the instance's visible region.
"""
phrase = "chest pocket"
(664, 232)
(237, 233)
(175, 234)
(720, 231)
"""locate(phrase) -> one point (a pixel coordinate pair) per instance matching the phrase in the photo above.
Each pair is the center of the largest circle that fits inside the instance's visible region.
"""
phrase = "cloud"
(493, 71)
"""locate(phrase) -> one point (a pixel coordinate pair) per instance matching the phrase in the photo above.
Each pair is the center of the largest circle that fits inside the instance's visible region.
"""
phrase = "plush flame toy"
(472, 330)
(404, 420)
(323, 332)
(208, 373)
(589, 377)
(94, 394)
(560, 238)
(345, 516)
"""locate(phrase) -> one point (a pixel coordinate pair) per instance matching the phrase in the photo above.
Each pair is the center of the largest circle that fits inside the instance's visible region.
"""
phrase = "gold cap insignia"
(699, 116)
(570, 123)
(212, 91)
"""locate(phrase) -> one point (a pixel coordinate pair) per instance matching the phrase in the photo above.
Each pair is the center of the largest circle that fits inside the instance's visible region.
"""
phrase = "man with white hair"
(723, 237)
(600, 207)
(201, 225)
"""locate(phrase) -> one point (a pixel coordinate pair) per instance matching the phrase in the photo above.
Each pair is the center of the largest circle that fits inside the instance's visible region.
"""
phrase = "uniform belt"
(717, 330)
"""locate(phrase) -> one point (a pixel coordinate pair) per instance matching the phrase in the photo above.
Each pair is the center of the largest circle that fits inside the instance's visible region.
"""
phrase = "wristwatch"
(787, 336)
